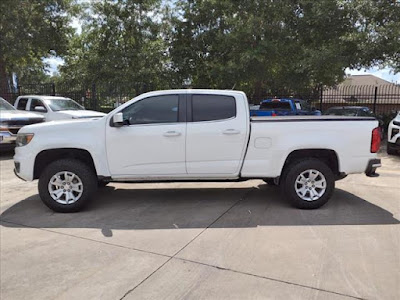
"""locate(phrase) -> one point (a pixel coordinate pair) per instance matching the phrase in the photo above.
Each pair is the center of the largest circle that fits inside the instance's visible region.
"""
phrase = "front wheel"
(308, 184)
(67, 185)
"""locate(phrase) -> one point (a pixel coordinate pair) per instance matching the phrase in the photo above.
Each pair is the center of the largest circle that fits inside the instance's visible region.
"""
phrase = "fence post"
(375, 98)
(94, 96)
(321, 93)
(53, 89)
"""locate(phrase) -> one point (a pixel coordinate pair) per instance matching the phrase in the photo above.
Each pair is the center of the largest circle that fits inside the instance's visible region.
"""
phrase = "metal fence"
(382, 100)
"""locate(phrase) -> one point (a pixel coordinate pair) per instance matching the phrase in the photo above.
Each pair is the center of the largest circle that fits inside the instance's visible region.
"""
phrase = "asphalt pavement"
(203, 241)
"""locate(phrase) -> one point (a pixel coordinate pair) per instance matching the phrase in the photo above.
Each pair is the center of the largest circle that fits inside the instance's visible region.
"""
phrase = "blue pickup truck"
(283, 107)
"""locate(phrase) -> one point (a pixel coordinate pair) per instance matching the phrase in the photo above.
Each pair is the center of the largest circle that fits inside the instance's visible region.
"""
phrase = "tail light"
(274, 114)
(376, 140)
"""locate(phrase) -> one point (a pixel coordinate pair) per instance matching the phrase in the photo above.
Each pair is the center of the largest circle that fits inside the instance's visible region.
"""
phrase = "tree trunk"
(4, 90)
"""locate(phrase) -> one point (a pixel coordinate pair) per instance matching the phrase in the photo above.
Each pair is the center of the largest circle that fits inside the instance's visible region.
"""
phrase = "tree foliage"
(259, 45)
(256, 46)
(29, 31)
(121, 46)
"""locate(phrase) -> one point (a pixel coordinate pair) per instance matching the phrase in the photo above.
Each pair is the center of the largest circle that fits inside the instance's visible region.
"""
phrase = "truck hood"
(77, 114)
(61, 126)
(18, 115)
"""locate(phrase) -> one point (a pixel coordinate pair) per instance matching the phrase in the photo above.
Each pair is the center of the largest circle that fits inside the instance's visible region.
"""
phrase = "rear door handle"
(231, 131)
(171, 133)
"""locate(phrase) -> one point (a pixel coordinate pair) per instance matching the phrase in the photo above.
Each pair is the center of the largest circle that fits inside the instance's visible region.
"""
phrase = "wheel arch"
(328, 156)
(47, 156)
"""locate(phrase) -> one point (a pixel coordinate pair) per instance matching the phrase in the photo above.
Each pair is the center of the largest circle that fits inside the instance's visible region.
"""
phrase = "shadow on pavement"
(6, 152)
(163, 208)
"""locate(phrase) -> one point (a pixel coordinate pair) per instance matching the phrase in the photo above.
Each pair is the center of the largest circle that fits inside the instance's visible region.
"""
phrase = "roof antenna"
(233, 86)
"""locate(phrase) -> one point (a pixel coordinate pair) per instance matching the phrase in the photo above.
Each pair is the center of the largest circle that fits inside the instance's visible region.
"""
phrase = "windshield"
(4, 105)
(303, 105)
(63, 104)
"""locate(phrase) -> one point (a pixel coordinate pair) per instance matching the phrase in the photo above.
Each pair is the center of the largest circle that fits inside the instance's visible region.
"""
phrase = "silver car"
(12, 120)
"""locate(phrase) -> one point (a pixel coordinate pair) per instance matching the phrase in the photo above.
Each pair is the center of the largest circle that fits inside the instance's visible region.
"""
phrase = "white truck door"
(37, 106)
(217, 131)
(152, 141)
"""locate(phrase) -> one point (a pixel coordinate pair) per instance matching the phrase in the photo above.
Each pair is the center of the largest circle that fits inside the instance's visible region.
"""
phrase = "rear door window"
(22, 103)
(213, 107)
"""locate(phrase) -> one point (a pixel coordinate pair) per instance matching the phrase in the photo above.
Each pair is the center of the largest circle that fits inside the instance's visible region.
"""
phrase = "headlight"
(23, 139)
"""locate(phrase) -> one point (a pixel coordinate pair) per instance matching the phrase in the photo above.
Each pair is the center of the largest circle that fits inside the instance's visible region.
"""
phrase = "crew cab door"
(37, 106)
(217, 132)
(152, 141)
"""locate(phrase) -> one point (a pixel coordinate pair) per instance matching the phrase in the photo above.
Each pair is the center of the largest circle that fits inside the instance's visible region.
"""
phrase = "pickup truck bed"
(195, 135)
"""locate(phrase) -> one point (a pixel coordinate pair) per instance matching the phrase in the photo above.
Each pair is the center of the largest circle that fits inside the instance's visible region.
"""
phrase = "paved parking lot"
(203, 240)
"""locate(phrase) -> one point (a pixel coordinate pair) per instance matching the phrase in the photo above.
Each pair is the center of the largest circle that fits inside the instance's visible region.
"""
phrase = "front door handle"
(171, 133)
(231, 131)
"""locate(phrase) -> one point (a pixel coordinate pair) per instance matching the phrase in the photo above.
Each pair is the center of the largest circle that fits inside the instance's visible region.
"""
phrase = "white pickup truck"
(195, 135)
(54, 107)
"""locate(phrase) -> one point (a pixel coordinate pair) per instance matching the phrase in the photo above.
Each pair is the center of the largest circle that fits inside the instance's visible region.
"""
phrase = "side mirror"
(39, 109)
(118, 119)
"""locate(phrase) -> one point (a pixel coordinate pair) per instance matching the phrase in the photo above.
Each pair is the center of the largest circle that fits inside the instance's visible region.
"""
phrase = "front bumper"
(24, 163)
(7, 138)
(373, 164)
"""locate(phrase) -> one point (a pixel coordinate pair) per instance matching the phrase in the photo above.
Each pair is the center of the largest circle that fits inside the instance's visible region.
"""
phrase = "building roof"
(361, 89)
(367, 79)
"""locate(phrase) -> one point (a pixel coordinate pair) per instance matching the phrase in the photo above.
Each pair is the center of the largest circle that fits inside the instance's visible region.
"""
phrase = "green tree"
(29, 31)
(121, 47)
(265, 45)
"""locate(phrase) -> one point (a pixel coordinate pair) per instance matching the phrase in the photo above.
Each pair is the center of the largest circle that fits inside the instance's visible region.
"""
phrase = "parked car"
(12, 120)
(354, 111)
(283, 107)
(393, 144)
(195, 135)
(54, 107)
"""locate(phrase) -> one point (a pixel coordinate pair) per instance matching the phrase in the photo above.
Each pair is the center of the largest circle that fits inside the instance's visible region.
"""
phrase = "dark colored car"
(354, 111)
(12, 120)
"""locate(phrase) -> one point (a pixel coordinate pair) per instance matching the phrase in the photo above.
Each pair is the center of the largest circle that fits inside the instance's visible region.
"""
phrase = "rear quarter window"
(213, 107)
(22, 103)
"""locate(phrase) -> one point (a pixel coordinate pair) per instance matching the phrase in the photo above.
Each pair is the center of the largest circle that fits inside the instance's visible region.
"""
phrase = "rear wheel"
(67, 185)
(308, 184)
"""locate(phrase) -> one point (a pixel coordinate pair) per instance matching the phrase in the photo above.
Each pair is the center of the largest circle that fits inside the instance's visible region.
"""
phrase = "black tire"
(390, 150)
(269, 181)
(290, 175)
(83, 171)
